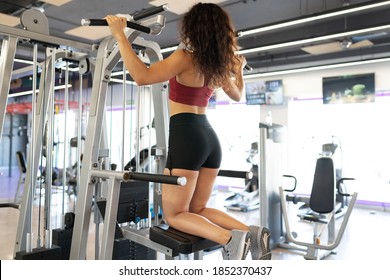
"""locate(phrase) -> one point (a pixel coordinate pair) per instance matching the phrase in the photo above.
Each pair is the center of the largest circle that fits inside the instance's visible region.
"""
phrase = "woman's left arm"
(235, 87)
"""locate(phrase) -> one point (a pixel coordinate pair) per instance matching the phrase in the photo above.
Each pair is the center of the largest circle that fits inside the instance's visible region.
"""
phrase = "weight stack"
(125, 249)
(63, 239)
(53, 253)
(133, 206)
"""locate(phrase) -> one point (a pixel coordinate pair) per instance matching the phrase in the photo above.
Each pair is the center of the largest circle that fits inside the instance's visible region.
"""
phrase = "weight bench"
(180, 242)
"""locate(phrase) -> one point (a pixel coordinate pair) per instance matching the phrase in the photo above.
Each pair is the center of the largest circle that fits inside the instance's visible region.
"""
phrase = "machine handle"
(248, 68)
(149, 12)
(339, 182)
(235, 174)
(103, 22)
(158, 178)
(295, 183)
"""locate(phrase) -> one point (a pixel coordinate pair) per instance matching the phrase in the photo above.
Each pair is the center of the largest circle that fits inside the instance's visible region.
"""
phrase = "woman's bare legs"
(200, 198)
(185, 207)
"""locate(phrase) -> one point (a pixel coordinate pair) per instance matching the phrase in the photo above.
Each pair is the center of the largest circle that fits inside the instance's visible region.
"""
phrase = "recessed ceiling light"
(9, 20)
(90, 32)
(180, 7)
(56, 2)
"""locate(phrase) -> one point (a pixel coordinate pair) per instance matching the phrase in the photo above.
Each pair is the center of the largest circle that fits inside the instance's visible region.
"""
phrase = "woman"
(207, 61)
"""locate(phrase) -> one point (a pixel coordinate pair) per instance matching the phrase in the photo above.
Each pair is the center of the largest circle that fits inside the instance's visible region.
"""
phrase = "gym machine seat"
(322, 204)
(180, 242)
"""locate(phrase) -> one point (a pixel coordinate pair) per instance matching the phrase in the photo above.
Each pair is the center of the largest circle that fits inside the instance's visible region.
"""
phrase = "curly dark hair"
(209, 31)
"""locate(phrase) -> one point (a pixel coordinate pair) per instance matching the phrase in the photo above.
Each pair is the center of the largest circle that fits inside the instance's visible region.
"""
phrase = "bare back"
(188, 77)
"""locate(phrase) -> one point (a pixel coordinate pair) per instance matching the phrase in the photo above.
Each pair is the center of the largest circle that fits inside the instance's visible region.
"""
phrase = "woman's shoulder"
(182, 59)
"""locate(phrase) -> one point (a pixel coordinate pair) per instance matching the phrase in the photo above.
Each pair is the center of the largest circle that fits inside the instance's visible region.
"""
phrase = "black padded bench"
(183, 243)
(180, 242)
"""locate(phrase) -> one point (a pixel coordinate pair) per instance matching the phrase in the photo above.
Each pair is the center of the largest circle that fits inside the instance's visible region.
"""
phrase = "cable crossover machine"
(118, 199)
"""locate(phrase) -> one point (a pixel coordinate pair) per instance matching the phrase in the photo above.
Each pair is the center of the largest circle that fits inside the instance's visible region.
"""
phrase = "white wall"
(362, 128)
(309, 84)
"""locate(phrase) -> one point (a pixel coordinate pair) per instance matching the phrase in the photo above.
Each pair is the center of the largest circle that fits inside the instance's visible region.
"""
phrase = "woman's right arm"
(157, 72)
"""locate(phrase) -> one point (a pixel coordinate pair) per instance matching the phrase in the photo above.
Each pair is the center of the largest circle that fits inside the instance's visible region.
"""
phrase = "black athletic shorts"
(193, 143)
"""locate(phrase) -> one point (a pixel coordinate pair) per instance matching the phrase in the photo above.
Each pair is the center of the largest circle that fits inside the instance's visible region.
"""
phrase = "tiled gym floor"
(365, 236)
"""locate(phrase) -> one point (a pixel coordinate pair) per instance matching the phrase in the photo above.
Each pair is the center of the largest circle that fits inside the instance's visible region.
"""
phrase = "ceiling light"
(179, 7)
(9, 20)
(306, 19)
(24, 61)
(311, 40)
(314, 68)
(57, 2)
(92, 33)
(37, 91)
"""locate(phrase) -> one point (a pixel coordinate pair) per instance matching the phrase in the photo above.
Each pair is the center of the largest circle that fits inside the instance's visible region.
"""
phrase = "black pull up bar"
(103, 22)
(130, 24)
(149, 12)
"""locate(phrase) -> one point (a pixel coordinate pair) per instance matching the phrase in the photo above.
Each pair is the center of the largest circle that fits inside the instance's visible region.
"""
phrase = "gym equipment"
(153, 29)
(41, 253)
(332, 150)
(63, 237)
(107, 56)
(90, 174)
(22, 172)
(322, 203)
(271, 157)
(247, 199)
(180, 243)
(11, 36)
(8, 50)
(133, 210)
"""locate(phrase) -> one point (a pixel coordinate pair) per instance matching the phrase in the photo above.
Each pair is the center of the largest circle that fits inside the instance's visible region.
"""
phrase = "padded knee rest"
(178, 241)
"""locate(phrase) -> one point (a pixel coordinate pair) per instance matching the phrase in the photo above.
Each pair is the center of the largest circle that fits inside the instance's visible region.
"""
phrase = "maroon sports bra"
(195, 96)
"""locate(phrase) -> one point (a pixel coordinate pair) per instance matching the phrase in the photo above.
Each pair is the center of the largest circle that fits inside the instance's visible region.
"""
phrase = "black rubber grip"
(248, 68)
(235, 174)
(149, 12)
(157, 178)
(103, 22)
(9, 205)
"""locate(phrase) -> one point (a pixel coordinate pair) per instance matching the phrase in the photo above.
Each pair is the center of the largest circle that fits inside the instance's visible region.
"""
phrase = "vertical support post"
(49, 144)
(90, 157)
(8, 50)
(263, 175)
(110, 218)
(270, 178)
(107, 58)
(161, 117)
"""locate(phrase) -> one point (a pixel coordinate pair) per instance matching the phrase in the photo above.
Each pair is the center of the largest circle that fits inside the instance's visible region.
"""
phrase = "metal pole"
(49, 149)
(8, 50)
(64, 175)
(123, 115)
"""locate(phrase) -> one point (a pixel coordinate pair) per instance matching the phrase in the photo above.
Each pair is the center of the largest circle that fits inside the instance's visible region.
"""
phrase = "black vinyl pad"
(178, 241)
